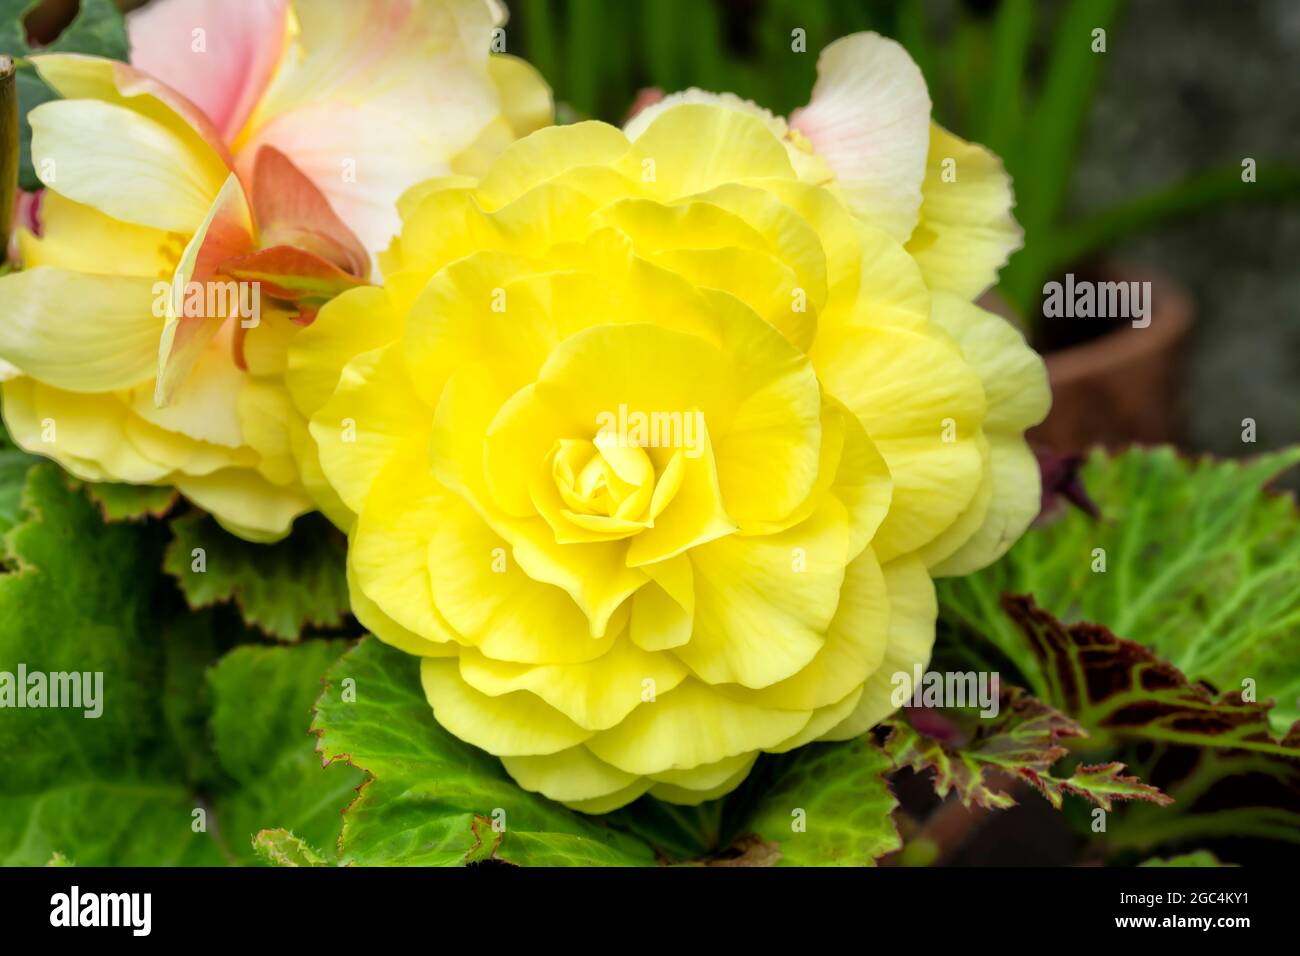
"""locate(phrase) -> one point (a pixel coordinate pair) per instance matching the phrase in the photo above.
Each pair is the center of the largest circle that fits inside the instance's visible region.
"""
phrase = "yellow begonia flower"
(264, 142)
(653, 449)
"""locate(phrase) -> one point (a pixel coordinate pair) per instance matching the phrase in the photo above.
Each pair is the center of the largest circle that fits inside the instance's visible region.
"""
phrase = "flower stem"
(8, 150)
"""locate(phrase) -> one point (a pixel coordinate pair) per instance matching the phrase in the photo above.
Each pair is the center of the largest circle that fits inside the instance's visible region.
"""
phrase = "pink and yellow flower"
(257, 146)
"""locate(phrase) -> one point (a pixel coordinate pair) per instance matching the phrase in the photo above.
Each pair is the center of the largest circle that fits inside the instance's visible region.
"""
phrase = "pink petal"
(292, 211)
(645, 97)
(869, 119)
(220, 54)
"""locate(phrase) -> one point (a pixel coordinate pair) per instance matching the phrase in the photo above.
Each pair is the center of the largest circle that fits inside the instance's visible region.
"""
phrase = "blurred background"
(1127, 162)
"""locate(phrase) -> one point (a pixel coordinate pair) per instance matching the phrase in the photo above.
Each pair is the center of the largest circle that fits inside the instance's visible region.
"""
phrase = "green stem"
(8, 150)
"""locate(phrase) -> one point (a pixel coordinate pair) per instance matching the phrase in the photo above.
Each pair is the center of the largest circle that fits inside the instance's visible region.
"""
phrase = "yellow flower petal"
(693, 787)
(546, 154)
(570, 775)
(692, 148)
(526, 100)
(1015, 490)
(663, 611)
(763, 604)
(966, 233)
(1015, 384)
(85, 333)
(613, 801)
(595, 694)
(74, 237)
(374, 620)
(513, 725)
(389, 549)
(483, 592)
(123, 164)
(373, 417)
(912, 613)
(245, 503)
(926, 435)
(355, 322)
(853, 649)
(88, 438)
(691, 726)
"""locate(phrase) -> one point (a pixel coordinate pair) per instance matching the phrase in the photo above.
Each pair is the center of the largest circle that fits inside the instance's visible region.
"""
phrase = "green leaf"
(1042, 165)
(1199, 567)
(282, 848)
(1199, 571)
(98, 29)
(1023, 742)
(120, 502)
(261, 711)
(1228, 795)
(432, 799)
(182, 765)
(82, 597)
(1115, 686)
(1213, 754)
(14, 465)
(281, 588)
(824, 805)
(1002, 106)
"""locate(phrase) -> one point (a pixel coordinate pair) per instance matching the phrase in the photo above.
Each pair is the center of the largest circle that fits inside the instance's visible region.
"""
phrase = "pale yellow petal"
(85, 333)
(482, 590)
(75, 237)
(966, 233)
(912, 613)
(245, 503)
(526, 100)
(513, 725)
(373, 417)
(693, 787)
(570, 775)
(389, 549)
(123, 164)
(690, 726)
(595, 694)
(694, 147)
(922, 406)
(763, 604)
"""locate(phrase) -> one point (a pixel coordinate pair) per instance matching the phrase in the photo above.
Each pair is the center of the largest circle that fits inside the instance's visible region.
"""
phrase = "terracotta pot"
(1122, 387)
